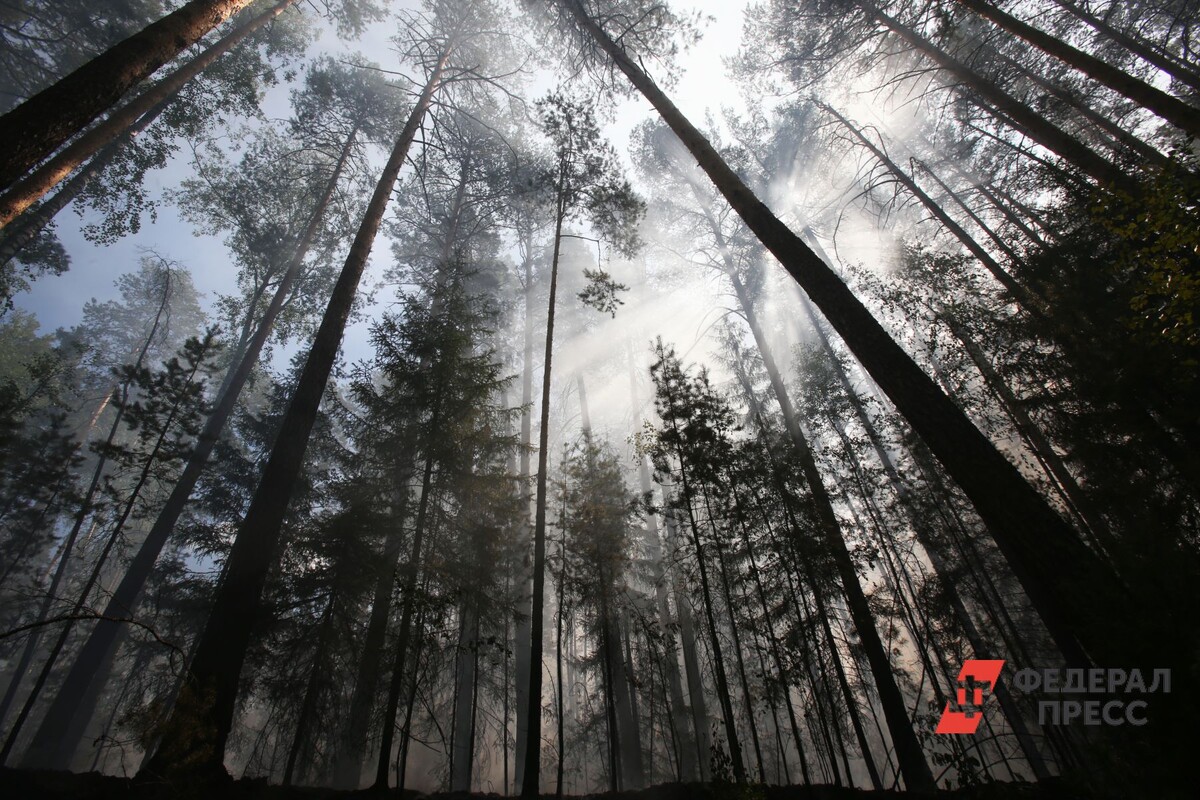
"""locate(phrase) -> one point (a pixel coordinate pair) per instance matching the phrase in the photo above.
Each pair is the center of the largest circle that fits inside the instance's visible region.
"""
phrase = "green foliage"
(602, 292)
(1156, 256)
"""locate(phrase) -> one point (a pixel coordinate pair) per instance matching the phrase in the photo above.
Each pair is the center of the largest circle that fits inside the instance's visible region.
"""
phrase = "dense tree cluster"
(939, 401)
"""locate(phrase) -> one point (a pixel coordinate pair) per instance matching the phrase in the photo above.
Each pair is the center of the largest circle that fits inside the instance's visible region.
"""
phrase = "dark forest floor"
(35, 785)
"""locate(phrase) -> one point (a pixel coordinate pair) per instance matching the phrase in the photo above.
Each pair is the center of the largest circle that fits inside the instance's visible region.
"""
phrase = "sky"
(57, 301)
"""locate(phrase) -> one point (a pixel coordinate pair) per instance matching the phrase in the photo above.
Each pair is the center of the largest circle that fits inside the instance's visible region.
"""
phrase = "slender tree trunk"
(628, 739)
(679, 720)
(522, 628)
(34, 129)
(412, 572)
(531, 776)
(223, 644)
(62, 727)
(1025, 118)
(45, 177)
(722, 687)
(1139, 47)
(776, 653)
(308, 706)
(1172, 109)
(558, 670)
(739, 658)
(691, 663)
(1074, 592)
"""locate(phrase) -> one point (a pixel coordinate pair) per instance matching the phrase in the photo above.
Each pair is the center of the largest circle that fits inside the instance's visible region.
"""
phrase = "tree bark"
(25, 228)
(45, 177)
(223, 644)
(36, 128)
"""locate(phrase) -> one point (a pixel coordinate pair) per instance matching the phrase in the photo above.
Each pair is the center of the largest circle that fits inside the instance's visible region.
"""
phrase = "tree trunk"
(223, 644)
(308, 706)
(1172, 109)
(48, 175)
(722, 687)
(691, 664)
(36, 128)
(522, 628)
(739, 658)
(1016, 290)
(1074, 592)
(531, 776)
(463, 751)
(62, 727)
(1119, 135)
(628, 738)
(1140, 48)
(1026, 119)
(25, 228)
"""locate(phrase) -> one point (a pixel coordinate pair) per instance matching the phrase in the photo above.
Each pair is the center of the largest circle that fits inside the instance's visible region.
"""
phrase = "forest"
(543, 398)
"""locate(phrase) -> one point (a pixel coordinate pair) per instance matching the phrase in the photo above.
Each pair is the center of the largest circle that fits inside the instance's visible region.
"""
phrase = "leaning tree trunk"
(1074, 592)
(1172, 109)
(36, 128)
(62, 728)
(47, 176)
(114, 536)
(68, 546)
(25, 228)
(1140, 48)
(1119, 135)
(1031, 304)
(1028, 121)
(222, 648)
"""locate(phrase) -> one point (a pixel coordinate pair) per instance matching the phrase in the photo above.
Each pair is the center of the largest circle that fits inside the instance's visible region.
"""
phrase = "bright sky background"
(58, 301)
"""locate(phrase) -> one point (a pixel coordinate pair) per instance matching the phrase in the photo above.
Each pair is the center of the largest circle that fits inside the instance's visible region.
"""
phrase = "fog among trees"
(560, 397)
